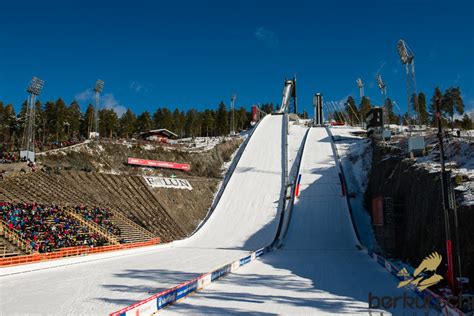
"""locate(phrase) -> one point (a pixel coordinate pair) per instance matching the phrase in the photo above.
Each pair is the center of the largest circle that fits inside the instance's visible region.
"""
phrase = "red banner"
(159, 164)
(377, 211)
(450, 271)
(254, 113)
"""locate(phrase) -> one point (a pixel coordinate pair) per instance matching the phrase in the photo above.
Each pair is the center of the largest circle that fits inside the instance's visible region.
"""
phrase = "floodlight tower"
(28, 144)
(360, 85)
(98, 88)
(232, 106)
(407, 58)
(383, 90)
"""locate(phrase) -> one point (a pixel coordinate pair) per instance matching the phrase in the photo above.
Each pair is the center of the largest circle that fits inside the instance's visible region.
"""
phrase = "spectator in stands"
(101, 217)
(47, 228)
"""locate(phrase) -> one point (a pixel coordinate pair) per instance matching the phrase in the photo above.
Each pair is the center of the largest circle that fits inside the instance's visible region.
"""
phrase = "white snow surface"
(318, 270)
(356, 159)
(245, 219)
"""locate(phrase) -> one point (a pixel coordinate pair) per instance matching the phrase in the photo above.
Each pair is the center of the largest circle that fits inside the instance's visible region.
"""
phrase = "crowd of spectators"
(47, 228)
(7, 157)
(100, 216)
(55, 145)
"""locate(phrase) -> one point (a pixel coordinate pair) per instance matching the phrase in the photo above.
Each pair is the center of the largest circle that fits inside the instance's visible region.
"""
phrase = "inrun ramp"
(245, 219)
(319, 270)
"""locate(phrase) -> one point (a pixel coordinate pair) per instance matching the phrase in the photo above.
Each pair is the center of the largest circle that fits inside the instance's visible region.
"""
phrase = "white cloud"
(107, 101)
(86, 95)
(140, 87)
(266, 36)
(382, 64)
(136, 86)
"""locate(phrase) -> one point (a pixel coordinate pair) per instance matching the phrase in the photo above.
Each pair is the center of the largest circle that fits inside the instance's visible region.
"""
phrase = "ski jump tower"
(289, 93)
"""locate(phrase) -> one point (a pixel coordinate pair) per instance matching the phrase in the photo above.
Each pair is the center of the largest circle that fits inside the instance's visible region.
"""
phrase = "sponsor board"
(259, 252)
(235, 265)
(146, 308)
(220, 272)
(245, 260)
(163, 299)
(204, 280)
(166, 299)
(186, 288)
(159, 164)
(171, 183)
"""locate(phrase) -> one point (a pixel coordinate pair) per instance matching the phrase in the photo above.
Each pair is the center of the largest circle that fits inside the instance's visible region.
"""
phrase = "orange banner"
(72, 251)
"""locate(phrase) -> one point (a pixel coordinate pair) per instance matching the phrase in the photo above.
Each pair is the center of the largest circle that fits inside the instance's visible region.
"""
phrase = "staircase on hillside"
(7, 249)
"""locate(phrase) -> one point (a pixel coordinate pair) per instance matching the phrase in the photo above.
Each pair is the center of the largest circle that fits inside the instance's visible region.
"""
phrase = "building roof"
(161, 131)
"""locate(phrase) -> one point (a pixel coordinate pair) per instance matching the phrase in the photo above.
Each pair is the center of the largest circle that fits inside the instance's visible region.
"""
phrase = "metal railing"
(73, 251)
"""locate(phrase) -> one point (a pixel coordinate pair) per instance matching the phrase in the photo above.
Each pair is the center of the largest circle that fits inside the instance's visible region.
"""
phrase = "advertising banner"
(171, 183)
(159, 164)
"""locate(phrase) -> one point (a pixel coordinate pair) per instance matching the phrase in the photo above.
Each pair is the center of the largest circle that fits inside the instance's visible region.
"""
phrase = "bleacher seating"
(47, 228)
(133, 206)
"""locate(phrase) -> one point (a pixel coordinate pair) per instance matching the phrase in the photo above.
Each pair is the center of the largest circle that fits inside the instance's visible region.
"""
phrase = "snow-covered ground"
(319, 270)
(245, 219)
(460, 160)
(203, 143)
(356, 158)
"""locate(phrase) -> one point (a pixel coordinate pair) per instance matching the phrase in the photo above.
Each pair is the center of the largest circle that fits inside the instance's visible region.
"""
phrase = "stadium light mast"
(383, 90)
(232, 106)
(360, 85)
(408, 59)
(98, 88)
(28, 145)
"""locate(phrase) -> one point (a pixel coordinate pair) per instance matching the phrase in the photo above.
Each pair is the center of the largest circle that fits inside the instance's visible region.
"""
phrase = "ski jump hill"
(317, 269)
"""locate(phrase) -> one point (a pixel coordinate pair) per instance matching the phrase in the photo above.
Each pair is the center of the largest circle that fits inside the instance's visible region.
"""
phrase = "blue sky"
(196, 53)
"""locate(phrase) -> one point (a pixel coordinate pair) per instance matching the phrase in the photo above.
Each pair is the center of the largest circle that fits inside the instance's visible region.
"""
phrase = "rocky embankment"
(419, 226)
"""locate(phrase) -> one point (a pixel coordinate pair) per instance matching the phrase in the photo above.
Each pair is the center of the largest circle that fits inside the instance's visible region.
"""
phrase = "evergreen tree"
(437, 95)
(74, 119)
(143, 122)
(60, 119)
(108, 123)
(392, 117)
(424, 117)
(352, 111)
(87, 121)
(222, 122)
(167, 120)
(208, 123)
(452, 102)
(243, 121)
(179, 122)
(364, 107)
(10, 125)
(193, 123)
(127, 124)
(466, 122)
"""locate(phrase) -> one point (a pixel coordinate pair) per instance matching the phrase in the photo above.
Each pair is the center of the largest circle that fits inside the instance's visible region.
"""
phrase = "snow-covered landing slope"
(245, 219)
(321, 218)
(318, 270)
